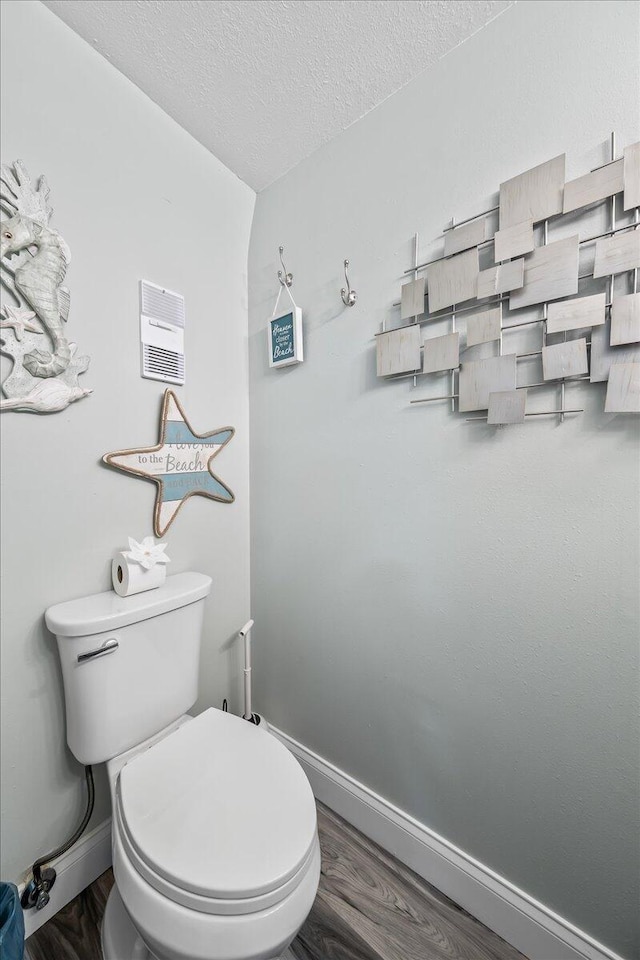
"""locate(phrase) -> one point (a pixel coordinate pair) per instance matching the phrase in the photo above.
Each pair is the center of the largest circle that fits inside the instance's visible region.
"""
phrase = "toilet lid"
(219, 808)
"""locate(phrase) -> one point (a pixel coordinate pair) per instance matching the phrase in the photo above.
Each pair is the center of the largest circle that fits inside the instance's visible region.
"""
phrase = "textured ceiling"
(264, 83)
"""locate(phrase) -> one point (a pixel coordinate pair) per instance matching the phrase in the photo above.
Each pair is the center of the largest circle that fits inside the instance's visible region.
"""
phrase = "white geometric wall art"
(483, 327)
(398, 351)
(625, 319)
(514, 240)
(576, 314)
(565, 360)
(550, 272)
(467, 236)
(623, 389)
(46, 368)
(412, 298)
(631, 176)
(539, 281)
(603, 355)
(594, 186)
(479, 378)
(501, 279)
(452, 281)
(508, 406)
(536, 194)
(441, 353)
(617, 254)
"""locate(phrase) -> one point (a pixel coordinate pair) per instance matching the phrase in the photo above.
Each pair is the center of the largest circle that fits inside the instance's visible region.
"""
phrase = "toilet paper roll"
(129, 578)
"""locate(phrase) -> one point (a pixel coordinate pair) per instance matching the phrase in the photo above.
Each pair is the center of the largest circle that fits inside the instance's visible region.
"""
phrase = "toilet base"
(120, 939)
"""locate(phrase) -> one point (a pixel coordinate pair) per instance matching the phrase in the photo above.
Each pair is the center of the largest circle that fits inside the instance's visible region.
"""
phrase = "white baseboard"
(75, 870)
(530, 926)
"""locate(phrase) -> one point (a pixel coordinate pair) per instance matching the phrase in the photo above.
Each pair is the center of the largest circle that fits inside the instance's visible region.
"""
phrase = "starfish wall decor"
(179, 465)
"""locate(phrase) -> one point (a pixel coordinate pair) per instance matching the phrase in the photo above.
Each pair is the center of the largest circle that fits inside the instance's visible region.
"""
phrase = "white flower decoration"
(147, 553)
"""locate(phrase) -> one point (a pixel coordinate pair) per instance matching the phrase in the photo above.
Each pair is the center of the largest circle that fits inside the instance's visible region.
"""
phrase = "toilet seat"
(218, 816)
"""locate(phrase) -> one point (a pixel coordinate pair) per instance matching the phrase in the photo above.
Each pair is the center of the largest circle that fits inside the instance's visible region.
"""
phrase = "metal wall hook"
(348, 295)
(286, 279)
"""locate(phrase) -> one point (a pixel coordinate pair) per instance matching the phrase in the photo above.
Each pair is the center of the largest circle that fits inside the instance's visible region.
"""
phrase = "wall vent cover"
(162, 319)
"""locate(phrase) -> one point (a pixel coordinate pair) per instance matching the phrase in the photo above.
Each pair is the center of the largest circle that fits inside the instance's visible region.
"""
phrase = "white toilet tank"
(129, 664)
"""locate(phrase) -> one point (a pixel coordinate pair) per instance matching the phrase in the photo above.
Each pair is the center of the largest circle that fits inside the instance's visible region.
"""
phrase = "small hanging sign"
(285, 338)
(284, 333)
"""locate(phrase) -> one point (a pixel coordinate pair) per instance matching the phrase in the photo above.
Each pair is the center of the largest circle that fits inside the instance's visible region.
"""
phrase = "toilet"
(214, 833)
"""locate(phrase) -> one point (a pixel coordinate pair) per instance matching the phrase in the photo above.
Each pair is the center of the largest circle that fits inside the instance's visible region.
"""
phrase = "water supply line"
(36, 891)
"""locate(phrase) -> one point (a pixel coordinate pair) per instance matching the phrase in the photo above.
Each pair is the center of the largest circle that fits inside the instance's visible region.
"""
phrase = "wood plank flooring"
(369, 907)
(74, 932)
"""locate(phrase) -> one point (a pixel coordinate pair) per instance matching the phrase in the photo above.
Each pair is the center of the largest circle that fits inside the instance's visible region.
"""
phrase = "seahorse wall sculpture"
(33, 264)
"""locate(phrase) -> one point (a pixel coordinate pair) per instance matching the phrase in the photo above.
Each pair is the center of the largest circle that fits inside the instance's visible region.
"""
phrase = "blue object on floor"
(11, 923)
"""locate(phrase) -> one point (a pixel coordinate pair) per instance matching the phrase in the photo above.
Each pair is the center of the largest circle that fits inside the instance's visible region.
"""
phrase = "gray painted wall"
(134, 196)
(450, 613)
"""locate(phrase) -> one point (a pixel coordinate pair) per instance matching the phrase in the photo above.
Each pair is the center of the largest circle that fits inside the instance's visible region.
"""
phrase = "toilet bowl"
(214, 832)
(215, 848)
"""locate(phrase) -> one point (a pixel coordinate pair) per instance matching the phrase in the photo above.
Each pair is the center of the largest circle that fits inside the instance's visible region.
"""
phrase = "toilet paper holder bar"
(109, 647)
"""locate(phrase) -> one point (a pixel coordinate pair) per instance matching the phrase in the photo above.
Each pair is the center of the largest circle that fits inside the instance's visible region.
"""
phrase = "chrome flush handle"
(109, 647)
